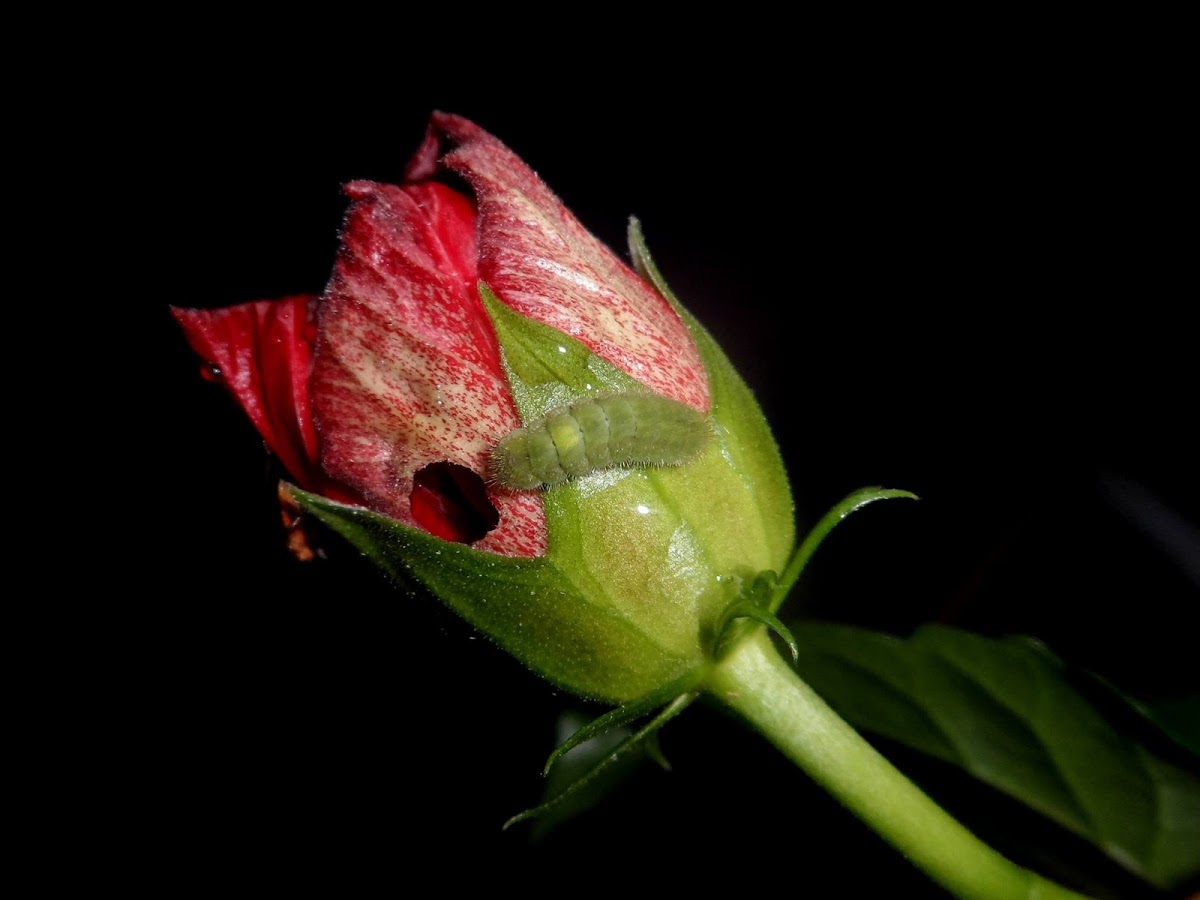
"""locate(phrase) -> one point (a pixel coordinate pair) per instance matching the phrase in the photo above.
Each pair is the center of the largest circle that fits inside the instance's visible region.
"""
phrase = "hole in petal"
(450, 501)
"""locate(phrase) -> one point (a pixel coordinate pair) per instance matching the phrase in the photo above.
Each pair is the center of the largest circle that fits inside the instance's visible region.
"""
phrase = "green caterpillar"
(628, 429)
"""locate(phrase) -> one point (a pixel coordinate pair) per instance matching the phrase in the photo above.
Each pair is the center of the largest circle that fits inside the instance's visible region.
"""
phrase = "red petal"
(451, 502)
(262, 352)
(407, 370)
(541, 262)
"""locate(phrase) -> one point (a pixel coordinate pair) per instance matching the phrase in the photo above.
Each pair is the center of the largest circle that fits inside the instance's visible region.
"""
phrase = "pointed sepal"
(637, 740)
(851, 503)
(625, 714)
(531, 607)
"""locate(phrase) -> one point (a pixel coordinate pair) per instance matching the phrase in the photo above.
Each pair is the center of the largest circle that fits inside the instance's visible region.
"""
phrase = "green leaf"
(1179, 719)
(1004, 711)
(1175, 718)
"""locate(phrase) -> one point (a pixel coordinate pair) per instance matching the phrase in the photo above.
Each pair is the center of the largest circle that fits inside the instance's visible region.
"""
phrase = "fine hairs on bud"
(619, 430)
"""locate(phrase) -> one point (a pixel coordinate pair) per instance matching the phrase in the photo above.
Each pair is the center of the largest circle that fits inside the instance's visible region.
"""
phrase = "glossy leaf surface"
(1004, 711)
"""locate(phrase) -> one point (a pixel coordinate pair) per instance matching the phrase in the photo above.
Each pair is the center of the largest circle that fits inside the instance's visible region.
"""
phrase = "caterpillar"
(627, 429)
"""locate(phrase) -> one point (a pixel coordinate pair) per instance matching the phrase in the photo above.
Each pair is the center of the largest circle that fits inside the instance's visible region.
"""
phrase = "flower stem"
(757, 683)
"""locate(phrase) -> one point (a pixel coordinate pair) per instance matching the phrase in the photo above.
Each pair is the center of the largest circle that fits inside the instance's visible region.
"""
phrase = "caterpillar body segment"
(626, 430)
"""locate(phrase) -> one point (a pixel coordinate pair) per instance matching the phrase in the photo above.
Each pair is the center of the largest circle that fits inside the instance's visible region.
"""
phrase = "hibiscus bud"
(487, 401)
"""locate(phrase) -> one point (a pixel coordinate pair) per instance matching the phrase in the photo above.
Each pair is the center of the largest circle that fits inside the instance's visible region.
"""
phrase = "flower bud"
(493, 405)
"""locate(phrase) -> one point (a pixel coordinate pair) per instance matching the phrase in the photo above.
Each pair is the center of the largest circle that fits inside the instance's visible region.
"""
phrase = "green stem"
(757, 683)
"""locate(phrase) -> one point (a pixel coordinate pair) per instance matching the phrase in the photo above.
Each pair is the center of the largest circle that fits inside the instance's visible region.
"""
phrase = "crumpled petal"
(262, 352)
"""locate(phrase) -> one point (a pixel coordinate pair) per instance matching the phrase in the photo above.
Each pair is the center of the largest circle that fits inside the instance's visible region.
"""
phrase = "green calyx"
(642, 561)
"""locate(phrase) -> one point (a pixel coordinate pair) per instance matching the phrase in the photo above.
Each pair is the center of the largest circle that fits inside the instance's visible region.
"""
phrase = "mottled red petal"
(407, 370)
(543, 263)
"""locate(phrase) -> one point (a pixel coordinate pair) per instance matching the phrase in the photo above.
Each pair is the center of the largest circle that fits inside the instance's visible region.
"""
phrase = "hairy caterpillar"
(628, 429)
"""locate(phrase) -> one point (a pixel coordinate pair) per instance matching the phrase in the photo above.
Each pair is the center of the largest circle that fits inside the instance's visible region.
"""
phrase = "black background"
(973, 285)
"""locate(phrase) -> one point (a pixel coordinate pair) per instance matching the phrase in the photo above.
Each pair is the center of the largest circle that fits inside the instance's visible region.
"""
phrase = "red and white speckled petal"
(543, 263)
(407, 370)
